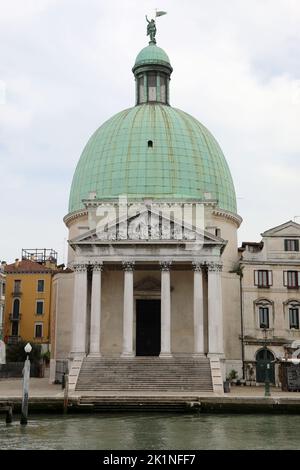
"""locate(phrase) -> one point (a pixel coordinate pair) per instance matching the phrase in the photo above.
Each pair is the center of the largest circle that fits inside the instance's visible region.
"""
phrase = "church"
(153, 299)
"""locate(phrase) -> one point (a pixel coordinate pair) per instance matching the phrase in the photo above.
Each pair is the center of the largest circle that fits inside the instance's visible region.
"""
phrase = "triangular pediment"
(147, 226)
(288, 229)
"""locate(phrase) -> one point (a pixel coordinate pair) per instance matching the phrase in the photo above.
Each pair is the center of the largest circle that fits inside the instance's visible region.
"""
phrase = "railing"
(16, 292)
(14, 339)
(15, 317)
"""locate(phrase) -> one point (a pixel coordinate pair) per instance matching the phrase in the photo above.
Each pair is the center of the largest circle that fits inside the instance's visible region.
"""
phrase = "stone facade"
(2, 298)
(97, 304)
(270, 295)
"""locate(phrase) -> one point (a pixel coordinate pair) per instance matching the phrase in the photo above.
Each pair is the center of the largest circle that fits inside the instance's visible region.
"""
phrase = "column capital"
(165, 265)
(98, 267)
(80, 268)
(197, 266)
(214, 267)
(128, 265)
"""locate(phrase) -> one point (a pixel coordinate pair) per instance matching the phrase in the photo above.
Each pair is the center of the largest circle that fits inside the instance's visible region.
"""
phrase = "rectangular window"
(39, 307)
(41, 285)
(3, 288)
(151, 87)
(263, 317)
(163, 97)
(17, 286)
(141, 90)
(291, 279)
(294, 318)
(38, 330)
(263, 278)
(291, 245)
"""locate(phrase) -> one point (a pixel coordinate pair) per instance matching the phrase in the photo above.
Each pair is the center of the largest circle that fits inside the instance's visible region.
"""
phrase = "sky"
(65, 68)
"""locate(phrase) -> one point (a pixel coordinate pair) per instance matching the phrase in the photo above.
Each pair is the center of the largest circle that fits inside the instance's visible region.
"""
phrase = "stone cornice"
(235, 218)
(74, 215)
(280, 263)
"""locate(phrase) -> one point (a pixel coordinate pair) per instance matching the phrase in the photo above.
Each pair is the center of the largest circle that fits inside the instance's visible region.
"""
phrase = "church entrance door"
(147, 327)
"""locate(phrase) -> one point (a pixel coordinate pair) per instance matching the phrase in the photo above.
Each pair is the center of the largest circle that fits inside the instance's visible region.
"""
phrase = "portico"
(207, 315)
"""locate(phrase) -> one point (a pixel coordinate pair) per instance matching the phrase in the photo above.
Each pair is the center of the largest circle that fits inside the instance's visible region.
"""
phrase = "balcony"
(15, 317)
(13, 339)
(16, 293)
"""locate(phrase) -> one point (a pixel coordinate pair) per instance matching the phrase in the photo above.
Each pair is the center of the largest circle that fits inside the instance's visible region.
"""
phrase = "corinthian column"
(165, 350)
(215, 310)
(128, 310)
(79, 321)
(96, 311)
(198, 310)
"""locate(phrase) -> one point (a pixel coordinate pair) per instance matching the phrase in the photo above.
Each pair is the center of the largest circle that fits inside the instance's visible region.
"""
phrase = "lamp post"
(26, 376)
(267, 374)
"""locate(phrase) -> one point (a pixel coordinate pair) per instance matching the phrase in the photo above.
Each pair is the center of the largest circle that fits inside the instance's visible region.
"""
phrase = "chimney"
(17, 262)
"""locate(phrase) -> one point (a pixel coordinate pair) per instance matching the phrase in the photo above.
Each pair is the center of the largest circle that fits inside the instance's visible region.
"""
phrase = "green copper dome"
(152, 55)
(153, 151)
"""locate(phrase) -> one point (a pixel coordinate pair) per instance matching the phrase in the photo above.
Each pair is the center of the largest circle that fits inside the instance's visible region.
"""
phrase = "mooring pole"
(9, 415)
(26, 375)
(66, 393)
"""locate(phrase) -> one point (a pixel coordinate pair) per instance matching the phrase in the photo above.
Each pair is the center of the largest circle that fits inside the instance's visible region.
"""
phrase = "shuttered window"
(263, 278)
(291, 279)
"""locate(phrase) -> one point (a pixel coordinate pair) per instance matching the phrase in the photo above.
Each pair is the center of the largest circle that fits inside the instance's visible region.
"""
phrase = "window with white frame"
(39, 307)
(38, 330)
(294, 317)
(264, 313)
(291, 279)
(263, 278)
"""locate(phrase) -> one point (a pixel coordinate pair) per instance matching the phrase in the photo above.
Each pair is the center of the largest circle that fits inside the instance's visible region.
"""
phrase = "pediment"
(147, 226)
(288, 229)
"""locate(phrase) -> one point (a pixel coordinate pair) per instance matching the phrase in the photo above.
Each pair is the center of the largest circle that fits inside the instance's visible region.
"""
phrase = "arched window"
(16, 308)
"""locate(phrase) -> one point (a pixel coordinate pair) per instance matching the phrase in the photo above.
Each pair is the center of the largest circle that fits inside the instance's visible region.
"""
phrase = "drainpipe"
(242, 323)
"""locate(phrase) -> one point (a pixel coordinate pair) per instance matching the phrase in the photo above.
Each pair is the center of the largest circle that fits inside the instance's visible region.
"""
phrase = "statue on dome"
(151, 30)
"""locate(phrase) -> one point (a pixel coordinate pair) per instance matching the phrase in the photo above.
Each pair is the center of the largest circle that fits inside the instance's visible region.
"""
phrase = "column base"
(220, 356)
(165, 355)
(127, 355)
(77, 355)
(199, 355)
(94, 354)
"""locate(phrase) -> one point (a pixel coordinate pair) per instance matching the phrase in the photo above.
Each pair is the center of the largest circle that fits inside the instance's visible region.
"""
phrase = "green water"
(153, 431)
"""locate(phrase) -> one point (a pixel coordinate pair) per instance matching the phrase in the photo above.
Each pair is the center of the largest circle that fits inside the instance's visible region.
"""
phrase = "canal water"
(153, 431)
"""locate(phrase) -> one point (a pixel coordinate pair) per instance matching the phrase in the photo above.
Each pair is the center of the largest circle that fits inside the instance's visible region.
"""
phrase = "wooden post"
(26, 375)
(66, 393)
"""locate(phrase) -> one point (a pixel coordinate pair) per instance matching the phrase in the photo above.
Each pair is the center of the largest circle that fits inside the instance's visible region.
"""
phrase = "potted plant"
(233, 376)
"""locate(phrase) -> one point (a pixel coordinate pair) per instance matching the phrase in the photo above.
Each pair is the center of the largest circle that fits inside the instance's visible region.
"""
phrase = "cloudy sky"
(66, 68)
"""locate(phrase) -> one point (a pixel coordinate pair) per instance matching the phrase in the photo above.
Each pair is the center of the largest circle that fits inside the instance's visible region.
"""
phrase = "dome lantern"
(152, 71)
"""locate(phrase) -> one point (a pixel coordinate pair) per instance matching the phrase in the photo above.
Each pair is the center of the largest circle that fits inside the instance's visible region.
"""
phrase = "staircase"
(145, 374)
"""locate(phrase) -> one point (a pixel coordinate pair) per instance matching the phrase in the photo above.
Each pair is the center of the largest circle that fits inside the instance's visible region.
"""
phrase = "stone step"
(145, 374)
